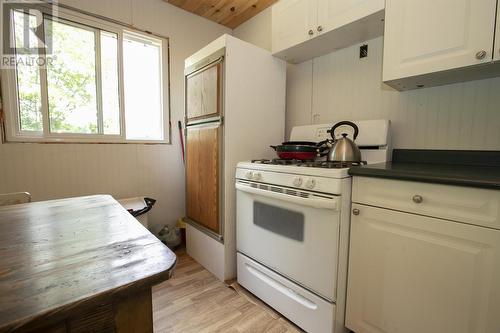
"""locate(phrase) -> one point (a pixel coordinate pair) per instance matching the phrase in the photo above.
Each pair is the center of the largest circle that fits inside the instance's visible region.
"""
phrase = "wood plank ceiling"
(230, 13)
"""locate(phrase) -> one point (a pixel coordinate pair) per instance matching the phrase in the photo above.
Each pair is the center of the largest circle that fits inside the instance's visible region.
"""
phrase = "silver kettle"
(344, 149)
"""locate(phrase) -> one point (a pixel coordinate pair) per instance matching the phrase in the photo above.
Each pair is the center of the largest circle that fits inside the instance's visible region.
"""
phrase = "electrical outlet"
(363, 51)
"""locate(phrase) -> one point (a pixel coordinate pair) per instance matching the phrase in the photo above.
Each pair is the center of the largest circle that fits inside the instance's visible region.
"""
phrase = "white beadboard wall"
(341, 86)
(51, 171)
(458, 116)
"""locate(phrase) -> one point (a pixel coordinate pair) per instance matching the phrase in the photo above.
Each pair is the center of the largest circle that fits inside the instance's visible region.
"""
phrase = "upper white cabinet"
(292, 21)
(437, 37)
(333, 14)
(304, 29)
(496, 51)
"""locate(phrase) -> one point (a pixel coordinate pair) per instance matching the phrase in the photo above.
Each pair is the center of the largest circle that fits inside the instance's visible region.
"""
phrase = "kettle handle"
(342, 123)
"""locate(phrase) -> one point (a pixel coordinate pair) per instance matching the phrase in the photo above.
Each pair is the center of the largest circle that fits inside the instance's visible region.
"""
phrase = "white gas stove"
(293, 222)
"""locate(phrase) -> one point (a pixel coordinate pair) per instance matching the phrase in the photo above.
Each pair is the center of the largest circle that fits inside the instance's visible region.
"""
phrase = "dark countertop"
(486, 177)
(58, 256)
(465, 168)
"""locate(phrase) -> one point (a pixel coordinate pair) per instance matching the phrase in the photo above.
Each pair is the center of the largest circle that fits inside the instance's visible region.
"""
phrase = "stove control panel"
(303, 182)
(251, 175)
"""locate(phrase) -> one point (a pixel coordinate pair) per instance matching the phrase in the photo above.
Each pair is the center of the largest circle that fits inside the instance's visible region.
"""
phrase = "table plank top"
(60, 254)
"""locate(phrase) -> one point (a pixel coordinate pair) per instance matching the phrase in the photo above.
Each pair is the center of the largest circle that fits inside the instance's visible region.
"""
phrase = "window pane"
(28, 77)
(143, 88)
(71, 77)
(25, 24)
(109, 73)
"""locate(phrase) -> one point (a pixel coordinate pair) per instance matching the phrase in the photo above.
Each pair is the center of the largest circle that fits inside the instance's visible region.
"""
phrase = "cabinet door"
(424, 37)
(203, 92)
(496, 50)
(202, 175)
(414, 274)
(291, 22)
(333, 14)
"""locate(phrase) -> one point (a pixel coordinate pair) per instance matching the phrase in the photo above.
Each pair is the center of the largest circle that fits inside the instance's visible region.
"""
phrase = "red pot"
(297, 152)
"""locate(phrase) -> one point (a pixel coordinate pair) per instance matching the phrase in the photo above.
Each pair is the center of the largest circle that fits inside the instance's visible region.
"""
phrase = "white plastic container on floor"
(136, 204)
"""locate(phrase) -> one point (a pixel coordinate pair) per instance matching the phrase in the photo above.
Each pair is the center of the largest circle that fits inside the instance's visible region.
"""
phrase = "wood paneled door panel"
(203, 91)
(202, 175)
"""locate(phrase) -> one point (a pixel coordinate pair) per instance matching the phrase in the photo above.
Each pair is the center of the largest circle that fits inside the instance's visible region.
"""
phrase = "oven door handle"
(316, 202)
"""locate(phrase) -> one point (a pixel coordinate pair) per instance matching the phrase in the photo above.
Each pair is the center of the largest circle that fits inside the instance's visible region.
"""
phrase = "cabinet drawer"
(463, 204)
(304, 308)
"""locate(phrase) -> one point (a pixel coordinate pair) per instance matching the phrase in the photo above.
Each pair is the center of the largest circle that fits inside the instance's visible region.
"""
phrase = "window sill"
(85, 141)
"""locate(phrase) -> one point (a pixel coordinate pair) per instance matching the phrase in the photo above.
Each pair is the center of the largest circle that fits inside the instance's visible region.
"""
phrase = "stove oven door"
(293, 232)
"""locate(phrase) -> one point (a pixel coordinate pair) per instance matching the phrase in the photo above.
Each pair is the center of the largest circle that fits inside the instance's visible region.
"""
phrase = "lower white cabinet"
(410, 273)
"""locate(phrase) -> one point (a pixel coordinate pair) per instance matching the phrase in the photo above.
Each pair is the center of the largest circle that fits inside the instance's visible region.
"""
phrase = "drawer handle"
(282, 288)
(355, 211)
(418, 199)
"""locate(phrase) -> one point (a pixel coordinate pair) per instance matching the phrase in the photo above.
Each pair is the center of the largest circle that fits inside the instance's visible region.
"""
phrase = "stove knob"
(297, 181)
(249, 175)
(257, 176)
(310, 183)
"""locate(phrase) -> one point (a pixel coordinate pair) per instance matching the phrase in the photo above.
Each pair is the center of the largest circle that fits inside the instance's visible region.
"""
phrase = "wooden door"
(414, 274)
(202, 175)
(333, 14)
(424, 37)
(292, 21)
(203, 92)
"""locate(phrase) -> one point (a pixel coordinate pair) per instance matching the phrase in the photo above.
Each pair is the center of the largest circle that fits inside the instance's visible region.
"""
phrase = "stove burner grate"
(311, 164)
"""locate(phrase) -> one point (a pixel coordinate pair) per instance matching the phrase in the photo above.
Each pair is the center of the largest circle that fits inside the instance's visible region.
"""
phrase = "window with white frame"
(100, 81)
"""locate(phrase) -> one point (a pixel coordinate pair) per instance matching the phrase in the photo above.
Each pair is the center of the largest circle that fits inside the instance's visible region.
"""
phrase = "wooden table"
(78, 265)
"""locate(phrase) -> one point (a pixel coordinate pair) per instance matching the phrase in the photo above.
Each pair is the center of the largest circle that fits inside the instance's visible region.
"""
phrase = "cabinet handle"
(320, 28)
(311, 32)
(481, 55)
(355, 211)
(418, 199)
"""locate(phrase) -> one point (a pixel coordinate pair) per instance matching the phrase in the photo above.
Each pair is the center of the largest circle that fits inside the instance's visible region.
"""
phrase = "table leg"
(134, 314)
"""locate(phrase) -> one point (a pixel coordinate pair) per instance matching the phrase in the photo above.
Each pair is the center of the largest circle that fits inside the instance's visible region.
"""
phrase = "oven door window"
(279, 220)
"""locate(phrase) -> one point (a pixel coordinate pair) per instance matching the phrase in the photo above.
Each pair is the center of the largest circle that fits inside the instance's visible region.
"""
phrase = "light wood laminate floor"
(194, 300)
